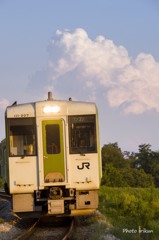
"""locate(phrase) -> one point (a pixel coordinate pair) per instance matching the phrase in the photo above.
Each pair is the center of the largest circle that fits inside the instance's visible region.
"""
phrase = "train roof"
(58, 107)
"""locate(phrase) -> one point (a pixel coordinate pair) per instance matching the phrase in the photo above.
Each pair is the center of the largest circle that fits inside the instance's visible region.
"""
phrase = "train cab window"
(52, 138)
(22, 136)
(82, 134)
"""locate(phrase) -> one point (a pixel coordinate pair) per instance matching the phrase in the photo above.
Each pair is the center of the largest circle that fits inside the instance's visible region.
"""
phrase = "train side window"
(52, 139)
(82, 134)
(22, 137)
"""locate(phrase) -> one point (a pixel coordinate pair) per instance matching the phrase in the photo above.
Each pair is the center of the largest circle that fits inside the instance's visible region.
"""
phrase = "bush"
(112, 177)
(130, 208)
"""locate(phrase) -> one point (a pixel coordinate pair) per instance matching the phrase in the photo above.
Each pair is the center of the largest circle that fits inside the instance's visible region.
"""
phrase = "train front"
(53, 157)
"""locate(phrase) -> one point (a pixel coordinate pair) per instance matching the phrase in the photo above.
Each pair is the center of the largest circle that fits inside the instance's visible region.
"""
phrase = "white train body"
(53, 157)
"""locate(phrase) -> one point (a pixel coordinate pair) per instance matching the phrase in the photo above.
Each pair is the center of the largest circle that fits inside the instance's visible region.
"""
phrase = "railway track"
(42, 228)
(27, 233)
(3, 195)
(48, 228)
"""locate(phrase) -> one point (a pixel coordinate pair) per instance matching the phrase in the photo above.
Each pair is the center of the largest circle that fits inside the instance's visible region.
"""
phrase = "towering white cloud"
(137, 86)
(99, 65)
(76, 51)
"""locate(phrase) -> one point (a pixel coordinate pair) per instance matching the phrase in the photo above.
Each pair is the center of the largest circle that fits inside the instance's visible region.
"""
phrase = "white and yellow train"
(51, 157)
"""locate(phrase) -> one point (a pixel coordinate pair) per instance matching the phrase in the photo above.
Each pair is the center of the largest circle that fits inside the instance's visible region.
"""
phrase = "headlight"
(51, 109)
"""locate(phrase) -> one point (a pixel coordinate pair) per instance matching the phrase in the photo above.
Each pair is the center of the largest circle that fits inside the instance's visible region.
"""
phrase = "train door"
(53, 151)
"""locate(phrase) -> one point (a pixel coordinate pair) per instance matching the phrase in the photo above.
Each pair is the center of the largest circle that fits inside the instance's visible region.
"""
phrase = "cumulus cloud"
(137, 86)
(99, 67)
(94, 59)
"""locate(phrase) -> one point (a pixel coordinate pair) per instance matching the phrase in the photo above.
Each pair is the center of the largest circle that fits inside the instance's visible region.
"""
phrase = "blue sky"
(105, 51)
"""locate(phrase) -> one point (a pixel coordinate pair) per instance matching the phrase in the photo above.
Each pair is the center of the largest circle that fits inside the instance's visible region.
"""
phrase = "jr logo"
(84, 164)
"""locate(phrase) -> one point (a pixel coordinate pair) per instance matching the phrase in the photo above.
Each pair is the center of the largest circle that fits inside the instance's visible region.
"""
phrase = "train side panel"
(84, 174)
(23, 175)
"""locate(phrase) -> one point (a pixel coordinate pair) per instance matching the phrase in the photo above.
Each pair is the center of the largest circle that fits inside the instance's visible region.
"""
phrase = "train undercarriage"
(57, 201)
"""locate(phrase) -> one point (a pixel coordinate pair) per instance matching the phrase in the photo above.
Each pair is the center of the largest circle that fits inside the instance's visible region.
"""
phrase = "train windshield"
(82, 134)
(22, 137)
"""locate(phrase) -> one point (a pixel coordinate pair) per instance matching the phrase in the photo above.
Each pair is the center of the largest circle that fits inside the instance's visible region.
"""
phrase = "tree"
(111, 153)
(144, 158)
(137, 178)
(154, 168)
(130, 169)
(112, 177)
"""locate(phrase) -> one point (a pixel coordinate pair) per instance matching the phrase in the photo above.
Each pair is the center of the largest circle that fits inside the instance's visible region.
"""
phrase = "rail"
(4, 195)
(26, 234)
(70, 230)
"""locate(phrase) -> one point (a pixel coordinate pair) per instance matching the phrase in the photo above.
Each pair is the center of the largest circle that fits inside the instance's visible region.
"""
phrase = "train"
(51, 157)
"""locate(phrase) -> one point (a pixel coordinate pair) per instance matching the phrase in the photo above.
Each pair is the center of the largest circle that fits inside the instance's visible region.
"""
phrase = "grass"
(134, 212)
(1, 183)
(1, 220)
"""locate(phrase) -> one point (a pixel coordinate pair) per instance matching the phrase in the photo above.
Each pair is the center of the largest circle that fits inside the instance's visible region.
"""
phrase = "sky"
(105, 51)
